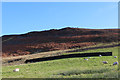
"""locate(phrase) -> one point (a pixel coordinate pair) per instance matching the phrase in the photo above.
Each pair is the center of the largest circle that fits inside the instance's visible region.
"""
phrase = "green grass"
(68, 68)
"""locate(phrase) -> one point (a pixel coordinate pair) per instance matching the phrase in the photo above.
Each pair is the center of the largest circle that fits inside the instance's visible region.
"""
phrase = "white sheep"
(105, 62)
(115, 63)
(115, 56)
(100, 55)
(16, 70)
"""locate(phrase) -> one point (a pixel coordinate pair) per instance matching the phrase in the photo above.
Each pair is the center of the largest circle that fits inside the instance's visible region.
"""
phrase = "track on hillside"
(79, 50)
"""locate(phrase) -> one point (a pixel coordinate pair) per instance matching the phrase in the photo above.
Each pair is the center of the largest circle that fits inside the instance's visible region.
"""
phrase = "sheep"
(115, 63)
(16, 70)
(105, 62)
(100, 55)
(115, 56)
(86, 59)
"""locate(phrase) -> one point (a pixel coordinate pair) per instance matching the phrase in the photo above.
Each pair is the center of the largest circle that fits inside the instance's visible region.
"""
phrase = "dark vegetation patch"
(78, 72)
(14, 60)
(69, 56)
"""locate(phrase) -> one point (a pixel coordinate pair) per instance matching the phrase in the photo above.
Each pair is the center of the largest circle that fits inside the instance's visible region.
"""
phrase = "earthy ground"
(51, 40)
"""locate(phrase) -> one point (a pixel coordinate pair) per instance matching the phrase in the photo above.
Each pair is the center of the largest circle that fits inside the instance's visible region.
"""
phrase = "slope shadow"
(68, 56)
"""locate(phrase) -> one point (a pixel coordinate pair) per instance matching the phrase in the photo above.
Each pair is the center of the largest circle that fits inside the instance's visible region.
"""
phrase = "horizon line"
(60, 1)
(52, 29)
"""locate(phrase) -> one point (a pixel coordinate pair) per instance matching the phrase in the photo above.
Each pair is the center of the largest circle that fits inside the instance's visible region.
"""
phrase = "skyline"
(60, 1)
(39, 16)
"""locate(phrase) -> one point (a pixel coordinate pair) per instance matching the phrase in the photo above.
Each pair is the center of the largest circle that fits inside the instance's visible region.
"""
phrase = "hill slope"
(69, 67)
(66, 38)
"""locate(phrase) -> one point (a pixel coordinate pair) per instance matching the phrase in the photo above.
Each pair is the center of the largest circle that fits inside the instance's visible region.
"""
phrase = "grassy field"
(68, 68)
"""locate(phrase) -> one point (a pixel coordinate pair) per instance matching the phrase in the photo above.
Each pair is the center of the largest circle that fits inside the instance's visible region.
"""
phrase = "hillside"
(50, 40)
(76, 67)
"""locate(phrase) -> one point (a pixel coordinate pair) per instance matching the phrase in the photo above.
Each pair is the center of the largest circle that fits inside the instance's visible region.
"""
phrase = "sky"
(23, 17)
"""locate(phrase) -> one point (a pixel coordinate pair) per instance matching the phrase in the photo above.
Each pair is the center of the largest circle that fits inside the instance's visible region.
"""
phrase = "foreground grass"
(68, 68)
